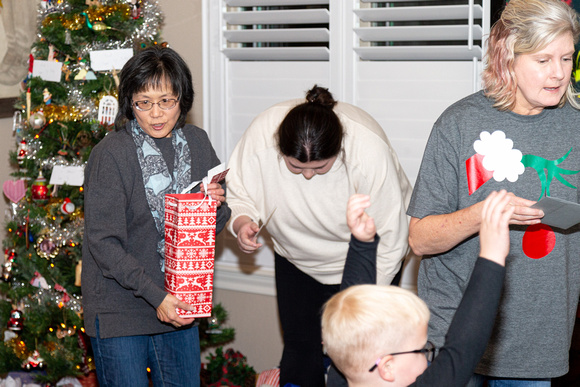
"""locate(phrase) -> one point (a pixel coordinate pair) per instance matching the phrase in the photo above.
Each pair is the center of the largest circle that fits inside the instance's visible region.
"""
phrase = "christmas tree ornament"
(67, 37)
(65, 331)
(84, 139)
(81, 75)
(7, 271)
(90, 76)
(46, 97)
(17, 126)
(9, 335)
(67, 207)
(99, 26)
(135, 8)
(46, 247)
(28, 98)
(37, 120)
(78, 272)
(8, 265)
(14, 190)
(22, 151)
(108, 108)
(39, 189)
(51, 53)
(38, 281)
(16, 320)
(34, 362)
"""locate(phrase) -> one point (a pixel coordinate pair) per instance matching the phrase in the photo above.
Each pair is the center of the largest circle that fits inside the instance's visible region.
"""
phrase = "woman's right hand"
(246, 230)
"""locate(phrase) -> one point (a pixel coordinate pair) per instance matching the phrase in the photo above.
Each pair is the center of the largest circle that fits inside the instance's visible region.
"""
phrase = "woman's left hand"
(216, 192)
(167, 313)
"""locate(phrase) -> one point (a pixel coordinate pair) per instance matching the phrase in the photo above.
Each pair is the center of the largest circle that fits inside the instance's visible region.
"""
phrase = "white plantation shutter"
(402, 61)
(411, 30)
(276, 30)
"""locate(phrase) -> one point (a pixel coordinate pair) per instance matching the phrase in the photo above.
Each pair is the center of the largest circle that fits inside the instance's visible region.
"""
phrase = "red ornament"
(22, 151)
(39, 189)
(67, 207)
(16, 320)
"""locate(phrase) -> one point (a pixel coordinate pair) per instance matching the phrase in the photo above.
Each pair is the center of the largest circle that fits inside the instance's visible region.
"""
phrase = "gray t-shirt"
(532, 333)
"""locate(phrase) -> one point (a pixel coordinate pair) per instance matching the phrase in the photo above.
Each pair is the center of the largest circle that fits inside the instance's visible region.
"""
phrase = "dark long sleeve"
(361, 263)
(470, 329)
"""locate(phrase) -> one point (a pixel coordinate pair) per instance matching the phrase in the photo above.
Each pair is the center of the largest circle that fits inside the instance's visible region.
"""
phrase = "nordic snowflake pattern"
(190, 251)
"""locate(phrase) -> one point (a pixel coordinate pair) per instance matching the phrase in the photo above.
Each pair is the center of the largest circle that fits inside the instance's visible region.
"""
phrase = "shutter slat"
(388, 34)
(278, 53)
(278, 35)
(254, 3)
(418, 53)
(299, 16)
(443, 12)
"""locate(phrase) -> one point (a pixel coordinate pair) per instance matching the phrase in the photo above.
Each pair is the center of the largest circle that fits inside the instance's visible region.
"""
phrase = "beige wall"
(254, 317)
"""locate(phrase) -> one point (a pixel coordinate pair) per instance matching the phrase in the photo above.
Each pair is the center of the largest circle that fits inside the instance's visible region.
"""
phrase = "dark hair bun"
(321, 96)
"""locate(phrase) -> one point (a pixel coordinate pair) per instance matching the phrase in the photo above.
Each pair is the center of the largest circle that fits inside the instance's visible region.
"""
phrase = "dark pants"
(300, 300)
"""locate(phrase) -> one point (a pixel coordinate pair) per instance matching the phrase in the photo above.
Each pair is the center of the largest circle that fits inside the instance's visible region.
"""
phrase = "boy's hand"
(494, 234)
(361, 225)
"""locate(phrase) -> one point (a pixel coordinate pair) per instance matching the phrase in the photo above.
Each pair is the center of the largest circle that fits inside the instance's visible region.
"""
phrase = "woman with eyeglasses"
(130, 318)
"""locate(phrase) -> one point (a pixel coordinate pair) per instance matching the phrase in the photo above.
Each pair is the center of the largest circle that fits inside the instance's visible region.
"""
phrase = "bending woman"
(301, 160)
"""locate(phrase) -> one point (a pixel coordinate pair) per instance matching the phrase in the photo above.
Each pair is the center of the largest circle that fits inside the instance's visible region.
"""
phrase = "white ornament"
(67, 207)
(108, 108)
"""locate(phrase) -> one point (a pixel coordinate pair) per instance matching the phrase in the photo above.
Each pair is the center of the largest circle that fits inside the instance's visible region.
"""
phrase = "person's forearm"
(435, 234)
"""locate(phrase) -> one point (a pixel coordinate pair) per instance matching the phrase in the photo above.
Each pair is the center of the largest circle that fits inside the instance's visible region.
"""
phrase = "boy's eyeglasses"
(428, 351)
(164, 104)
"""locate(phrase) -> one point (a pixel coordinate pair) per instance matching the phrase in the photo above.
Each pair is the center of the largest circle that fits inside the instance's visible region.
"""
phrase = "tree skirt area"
(26, 379)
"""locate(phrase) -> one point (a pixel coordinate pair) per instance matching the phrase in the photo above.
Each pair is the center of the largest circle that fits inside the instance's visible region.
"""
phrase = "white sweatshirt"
(309, 226)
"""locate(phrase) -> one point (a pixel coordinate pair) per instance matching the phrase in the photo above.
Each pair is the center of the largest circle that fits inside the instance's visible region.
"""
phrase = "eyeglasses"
(428, 351)
(164, 104)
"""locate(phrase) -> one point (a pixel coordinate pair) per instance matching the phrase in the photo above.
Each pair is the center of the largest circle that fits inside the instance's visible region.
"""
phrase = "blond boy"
(377, 335)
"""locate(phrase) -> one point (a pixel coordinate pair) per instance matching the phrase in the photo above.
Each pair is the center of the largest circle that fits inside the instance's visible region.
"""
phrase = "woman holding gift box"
(130, 318)
(301, 160)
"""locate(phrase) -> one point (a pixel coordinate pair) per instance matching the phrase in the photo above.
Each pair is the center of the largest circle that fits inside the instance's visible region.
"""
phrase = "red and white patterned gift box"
(190, 221)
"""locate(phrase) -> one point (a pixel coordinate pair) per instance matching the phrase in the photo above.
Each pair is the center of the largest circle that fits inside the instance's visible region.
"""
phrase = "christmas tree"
(68, 105)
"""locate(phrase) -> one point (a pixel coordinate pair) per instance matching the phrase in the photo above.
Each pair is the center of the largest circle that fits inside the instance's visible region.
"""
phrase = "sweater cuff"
(154, 295)
(489, 265)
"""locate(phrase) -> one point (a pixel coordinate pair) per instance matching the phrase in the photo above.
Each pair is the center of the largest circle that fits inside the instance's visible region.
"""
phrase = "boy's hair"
(364, 322)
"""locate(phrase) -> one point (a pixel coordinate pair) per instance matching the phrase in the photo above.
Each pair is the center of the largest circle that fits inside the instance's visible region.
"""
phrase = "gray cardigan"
(122, 282)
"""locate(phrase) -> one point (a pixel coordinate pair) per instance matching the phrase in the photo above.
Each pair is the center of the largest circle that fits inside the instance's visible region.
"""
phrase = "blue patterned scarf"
(158, 181)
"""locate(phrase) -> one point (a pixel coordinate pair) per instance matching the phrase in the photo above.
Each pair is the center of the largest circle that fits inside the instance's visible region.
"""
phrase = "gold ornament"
(65, 332)
(18, 347)
(100, 26)
(62, 113)
(46, 248)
